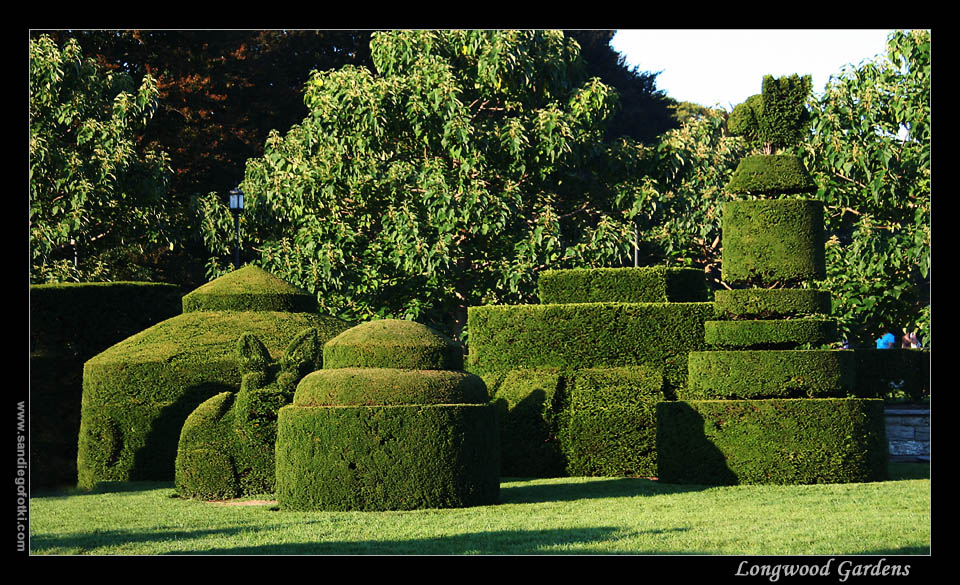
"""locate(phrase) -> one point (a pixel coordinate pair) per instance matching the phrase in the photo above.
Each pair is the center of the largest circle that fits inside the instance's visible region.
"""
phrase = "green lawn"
(544, 516)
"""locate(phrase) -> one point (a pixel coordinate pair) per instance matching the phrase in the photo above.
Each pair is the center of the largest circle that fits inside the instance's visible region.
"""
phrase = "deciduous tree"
(447, 176)
(94, 190)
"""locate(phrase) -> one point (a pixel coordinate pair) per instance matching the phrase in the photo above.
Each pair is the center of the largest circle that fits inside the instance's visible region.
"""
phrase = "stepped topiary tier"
(772, 241)
(760, 409)
(226, 447)
(391, 423)
(794, 441)
(576, 379)
(582, 335)
(776, 174)
(744, 374)
(765, 303)
(769, 334)
(138, 393)
(657, 284)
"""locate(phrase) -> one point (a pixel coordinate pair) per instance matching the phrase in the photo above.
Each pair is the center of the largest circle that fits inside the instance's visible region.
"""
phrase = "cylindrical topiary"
(391, 423)
(768, 242)
(774, 174)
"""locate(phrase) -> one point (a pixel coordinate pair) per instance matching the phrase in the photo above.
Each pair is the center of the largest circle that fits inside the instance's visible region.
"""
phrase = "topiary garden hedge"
(392, 422)
(69, 324)
(138, 393)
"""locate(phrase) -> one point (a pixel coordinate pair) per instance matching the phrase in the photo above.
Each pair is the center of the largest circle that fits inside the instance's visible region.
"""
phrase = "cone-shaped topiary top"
(392, 343)
(250, 288)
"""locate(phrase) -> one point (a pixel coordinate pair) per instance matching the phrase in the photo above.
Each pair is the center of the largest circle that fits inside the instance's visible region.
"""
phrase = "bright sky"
(725, 67)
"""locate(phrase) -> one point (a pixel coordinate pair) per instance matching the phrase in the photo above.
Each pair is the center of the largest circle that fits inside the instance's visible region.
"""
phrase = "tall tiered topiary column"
(392, 422)
(766, 405)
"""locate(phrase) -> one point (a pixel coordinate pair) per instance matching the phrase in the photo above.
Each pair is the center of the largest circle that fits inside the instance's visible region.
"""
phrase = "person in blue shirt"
(887, 341)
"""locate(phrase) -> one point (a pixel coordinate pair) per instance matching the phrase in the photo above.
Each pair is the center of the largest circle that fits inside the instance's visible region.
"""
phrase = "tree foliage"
(870, 155)
(448, 176)
(683, 193)
(94, 190)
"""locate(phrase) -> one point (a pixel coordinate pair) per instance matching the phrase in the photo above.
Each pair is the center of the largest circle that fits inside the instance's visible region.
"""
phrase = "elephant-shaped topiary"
(226, 447)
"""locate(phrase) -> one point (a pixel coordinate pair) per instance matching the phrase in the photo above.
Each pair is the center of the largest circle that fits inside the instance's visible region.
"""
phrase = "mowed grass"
(542, 516)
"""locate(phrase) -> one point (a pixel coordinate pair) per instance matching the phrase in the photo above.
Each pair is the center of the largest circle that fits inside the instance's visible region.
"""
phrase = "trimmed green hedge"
(387, 457)
(573, 336)
(249, 289)
(755, 374)
(69, 324)
(775, 174)
(765, 303)
(593, 421)
(879, 371)
(226, 447)
(393, 343)
(766, 242)
(770, 334)
(138, 393)
(803, 441)
(389, 386)
(609, 425)
(654, 284)
(529, 403)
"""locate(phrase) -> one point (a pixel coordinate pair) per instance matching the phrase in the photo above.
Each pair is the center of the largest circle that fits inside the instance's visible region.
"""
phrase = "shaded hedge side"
(655, 284)
(529, 404)
(69, 324)
(593, 421)
(802, 441)
(881, 371)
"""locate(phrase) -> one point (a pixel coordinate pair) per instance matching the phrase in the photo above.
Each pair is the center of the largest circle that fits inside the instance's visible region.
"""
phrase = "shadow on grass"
(560, 491)
(507, 542)
(111, 539)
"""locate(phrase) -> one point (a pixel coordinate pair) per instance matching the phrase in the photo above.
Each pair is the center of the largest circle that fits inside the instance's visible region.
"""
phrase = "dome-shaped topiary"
(392, 343)
(391, 423)
(250, 288)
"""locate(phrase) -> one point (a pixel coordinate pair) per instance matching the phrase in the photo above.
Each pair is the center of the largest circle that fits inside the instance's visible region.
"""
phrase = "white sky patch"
(725, 67)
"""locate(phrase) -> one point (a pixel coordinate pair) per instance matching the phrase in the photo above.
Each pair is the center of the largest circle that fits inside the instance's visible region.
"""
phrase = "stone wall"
(908, 433)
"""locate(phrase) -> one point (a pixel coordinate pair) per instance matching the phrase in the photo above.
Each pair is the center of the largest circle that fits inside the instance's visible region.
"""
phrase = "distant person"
(910, 341)
(887, 341)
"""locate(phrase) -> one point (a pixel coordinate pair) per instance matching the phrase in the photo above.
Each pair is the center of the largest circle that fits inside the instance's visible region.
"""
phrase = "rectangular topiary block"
(609, 425)
(789, 441)
(880, 371)
(529, 403)
(651, 284)
(577, 336)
